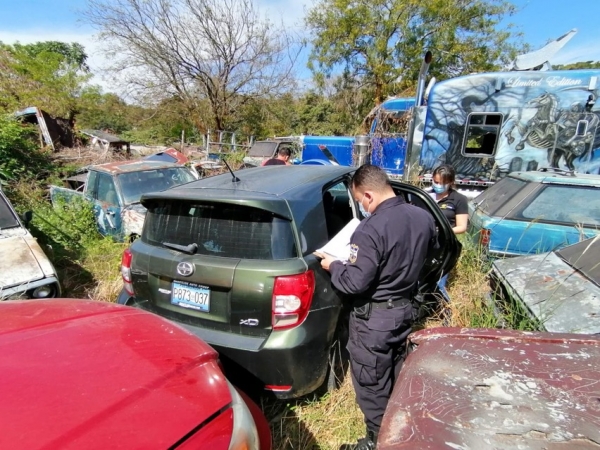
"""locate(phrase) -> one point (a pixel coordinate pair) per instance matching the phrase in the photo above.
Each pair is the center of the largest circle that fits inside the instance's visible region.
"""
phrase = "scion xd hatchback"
(230, 258)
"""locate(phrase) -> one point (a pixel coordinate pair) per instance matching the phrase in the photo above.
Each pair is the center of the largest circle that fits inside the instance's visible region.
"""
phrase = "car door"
(107, 206)
(444, 258)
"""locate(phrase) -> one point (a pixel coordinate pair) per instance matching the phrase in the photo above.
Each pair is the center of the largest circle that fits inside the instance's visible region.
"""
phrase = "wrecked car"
(115, 190)
(559, 290)
(534, 212)
(25, 270)
(261, 151)
(495, 389)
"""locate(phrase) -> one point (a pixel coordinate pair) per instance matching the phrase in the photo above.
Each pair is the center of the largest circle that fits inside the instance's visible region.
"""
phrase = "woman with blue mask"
(453, 204)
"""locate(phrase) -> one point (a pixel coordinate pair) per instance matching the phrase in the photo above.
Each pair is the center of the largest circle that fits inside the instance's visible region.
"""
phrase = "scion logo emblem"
(185, 269)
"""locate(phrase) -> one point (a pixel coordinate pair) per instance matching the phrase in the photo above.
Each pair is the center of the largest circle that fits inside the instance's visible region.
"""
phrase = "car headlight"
(43, 291)
(244, 435)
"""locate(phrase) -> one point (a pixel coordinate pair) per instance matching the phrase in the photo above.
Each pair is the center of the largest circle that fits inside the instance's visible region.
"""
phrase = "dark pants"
(377, 349)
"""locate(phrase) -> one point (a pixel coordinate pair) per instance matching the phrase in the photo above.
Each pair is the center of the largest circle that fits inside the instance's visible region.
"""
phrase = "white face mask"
(364, 212)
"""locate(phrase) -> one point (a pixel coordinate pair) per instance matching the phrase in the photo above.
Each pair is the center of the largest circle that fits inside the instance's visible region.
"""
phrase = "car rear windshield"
(569, 204)
(134, 184)
(584, 258)
(496, 196)
(220, 229)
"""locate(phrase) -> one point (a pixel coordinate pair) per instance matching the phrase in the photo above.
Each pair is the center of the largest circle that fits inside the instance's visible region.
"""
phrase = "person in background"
(282, 158)
(453, 204)
(387, 252)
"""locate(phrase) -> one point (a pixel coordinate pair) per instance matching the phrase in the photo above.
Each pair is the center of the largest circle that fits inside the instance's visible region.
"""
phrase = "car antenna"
(235, 179)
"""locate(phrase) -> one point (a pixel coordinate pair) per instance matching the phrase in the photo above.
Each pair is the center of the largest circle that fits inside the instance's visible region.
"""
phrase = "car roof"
(279, 181)
(90, 374)
(559, 177)
(132, 166)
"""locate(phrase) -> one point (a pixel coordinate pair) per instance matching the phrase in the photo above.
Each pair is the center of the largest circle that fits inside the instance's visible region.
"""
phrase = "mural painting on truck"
(487, 125)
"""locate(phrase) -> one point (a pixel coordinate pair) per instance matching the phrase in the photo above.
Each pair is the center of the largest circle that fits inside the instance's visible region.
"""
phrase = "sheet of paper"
(339, 245)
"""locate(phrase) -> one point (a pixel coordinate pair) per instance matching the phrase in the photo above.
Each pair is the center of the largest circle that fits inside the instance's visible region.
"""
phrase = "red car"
(89, 375)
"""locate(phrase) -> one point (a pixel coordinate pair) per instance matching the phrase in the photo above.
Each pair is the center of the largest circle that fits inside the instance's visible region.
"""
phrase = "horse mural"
(564, 133)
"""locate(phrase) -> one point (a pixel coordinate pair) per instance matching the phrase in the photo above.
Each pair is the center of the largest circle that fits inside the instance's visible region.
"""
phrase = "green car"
(230, 258)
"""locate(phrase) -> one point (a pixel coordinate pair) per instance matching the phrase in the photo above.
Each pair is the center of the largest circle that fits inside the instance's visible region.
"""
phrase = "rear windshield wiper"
(190, 249)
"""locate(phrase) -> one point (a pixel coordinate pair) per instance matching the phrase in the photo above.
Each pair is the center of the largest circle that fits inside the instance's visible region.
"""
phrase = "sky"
(538, 20)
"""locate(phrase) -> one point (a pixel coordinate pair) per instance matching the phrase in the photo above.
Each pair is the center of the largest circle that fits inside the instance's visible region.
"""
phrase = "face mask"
(440, 188)
(364, 212)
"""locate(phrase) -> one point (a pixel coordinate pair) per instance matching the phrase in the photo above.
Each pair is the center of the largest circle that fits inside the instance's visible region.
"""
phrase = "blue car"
(535, 212)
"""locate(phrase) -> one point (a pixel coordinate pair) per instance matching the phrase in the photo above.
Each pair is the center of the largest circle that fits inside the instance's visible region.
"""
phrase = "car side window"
(578, 205)
(106, 190)
(336, 204)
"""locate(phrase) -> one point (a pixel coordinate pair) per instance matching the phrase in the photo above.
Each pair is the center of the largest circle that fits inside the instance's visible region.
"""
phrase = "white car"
(25, 270)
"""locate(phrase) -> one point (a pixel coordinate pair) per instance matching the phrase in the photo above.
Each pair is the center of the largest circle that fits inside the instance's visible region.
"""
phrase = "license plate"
(191, 296)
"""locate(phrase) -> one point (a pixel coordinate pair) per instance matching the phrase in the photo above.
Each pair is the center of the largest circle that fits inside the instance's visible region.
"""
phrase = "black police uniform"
(388, 250)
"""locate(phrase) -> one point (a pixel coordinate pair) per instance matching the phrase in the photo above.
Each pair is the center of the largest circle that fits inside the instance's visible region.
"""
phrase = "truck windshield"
(135, 184)
(7, 216)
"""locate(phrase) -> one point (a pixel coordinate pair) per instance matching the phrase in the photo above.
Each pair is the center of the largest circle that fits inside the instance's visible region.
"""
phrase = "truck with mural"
(486, 125)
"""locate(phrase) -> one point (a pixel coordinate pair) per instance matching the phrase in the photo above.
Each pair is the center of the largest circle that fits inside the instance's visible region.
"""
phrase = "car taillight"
(484, 237)
(126, 271)
(292, 296)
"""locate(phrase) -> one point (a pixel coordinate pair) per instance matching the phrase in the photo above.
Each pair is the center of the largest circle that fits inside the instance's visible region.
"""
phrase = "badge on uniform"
(353, 253)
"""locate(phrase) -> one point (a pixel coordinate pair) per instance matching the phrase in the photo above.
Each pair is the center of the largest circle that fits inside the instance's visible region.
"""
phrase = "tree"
(50, 75)
(381, 42)
(196, 50)
(577, 65)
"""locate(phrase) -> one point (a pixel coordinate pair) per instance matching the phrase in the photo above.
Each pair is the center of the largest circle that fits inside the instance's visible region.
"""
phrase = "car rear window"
(584, 258)
(221, 229)
(491, 200)
(570, 204)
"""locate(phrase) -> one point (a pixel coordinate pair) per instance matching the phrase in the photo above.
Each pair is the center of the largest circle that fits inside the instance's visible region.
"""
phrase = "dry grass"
(317, 423)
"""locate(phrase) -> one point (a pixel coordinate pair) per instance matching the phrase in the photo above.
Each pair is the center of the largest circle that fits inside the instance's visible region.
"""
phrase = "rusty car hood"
(560, 297)
(471, 389)
(22, 260)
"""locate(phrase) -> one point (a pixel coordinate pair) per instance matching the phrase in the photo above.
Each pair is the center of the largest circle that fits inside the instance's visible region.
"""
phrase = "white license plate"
(191, 296)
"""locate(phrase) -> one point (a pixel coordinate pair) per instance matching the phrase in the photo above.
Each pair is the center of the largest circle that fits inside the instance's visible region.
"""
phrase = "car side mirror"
(27, 217)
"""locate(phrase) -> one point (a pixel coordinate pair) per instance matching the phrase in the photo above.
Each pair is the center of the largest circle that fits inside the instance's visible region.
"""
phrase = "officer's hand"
(326, 259)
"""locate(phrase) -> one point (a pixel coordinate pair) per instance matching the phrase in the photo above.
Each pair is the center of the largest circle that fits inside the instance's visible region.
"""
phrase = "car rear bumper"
(289, 363)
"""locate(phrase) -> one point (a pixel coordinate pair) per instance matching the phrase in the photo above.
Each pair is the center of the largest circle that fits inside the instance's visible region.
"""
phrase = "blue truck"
(486, 125)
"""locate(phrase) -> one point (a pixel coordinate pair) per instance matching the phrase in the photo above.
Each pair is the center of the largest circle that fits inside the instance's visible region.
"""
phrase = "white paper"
(339, 245)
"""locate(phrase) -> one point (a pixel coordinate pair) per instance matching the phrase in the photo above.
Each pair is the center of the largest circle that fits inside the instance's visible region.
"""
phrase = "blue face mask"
(440, 188)
(363, 211)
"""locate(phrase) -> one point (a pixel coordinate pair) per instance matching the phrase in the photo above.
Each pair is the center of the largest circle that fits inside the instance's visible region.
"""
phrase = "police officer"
(387, 252)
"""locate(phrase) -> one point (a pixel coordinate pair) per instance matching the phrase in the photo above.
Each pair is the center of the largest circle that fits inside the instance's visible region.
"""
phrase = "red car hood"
(84, 374)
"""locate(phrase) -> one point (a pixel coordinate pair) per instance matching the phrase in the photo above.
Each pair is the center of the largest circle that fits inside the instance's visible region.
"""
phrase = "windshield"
(220, 229)
(135, 184)
(7, 216)
(262, 149)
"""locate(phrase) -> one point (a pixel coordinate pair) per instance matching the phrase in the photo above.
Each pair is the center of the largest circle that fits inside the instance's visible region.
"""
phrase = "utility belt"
(363, 310)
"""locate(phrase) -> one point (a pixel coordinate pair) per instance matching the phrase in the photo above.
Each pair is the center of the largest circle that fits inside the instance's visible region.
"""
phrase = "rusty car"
(559, 290)
(115, 189)
(25, 270)
(478, 389)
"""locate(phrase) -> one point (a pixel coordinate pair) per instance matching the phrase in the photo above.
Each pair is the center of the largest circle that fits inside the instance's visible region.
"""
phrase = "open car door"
(444, 258)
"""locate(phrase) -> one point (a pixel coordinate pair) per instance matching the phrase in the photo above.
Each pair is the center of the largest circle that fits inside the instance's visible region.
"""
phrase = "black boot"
(369, 442)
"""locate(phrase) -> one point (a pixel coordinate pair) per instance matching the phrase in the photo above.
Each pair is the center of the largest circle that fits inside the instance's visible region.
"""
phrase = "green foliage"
(578, 65)
(19, 155)
(381, 42)
(49, 75)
